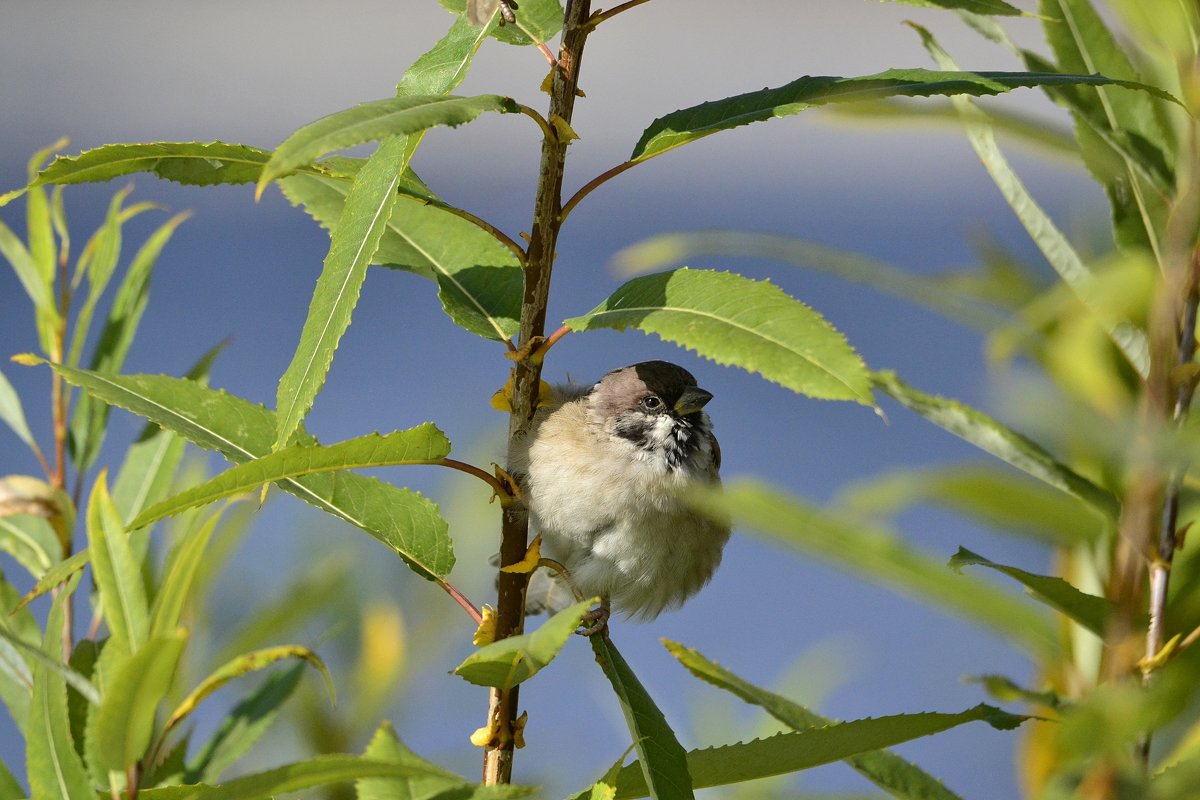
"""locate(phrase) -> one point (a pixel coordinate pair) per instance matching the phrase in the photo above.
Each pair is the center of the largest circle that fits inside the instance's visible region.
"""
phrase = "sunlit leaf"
(125, 718)
(403, 520)
(53, 767)
(243, 665)
(1088, 610)
(512, 661)
(445, 65)
(375, 121)
(479, 279)
(351, 250)
(1041, 229)
(662, 770)
(689, 124)
(998, 439)
(31, 541)
(732, 319)
(791, 752)
(886, 770)
(179, 577)
(192, 163)
(58, 573)
(543, 18)
(118, 575)
(12, 413)
(882, 556)
(424, 444)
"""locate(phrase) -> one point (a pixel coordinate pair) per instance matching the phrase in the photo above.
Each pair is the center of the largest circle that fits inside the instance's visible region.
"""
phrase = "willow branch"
(510, 602)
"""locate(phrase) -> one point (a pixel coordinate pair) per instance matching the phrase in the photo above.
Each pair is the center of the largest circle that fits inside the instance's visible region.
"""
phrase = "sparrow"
(602, 472)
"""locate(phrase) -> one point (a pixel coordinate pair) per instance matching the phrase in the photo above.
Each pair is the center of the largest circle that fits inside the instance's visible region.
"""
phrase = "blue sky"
(252, 72)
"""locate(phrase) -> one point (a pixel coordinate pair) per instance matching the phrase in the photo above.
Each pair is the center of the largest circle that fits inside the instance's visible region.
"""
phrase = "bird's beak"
(692, 400)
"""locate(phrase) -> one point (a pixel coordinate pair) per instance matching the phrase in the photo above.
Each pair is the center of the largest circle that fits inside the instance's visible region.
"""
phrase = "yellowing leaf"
(486, 632)
(532, 556)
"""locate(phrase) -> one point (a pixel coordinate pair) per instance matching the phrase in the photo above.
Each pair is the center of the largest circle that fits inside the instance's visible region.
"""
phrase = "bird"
(602, 472)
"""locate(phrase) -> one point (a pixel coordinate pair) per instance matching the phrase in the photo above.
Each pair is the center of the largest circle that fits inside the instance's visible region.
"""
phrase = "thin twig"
(510, 601)
(462, 600)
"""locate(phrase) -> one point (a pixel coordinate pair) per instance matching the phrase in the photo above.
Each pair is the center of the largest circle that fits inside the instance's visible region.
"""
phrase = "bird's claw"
(595, 621)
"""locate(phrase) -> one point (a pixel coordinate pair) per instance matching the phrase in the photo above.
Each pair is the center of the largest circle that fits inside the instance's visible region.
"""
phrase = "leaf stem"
(587, 188)
(491, 480)
(547, 220)
(462, 600)
(601, 16)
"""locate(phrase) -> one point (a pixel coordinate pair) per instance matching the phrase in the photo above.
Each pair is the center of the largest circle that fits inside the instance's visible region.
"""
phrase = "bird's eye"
(651, 402)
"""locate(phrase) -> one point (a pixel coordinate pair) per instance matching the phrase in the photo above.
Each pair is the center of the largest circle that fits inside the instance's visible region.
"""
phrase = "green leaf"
(19, 633)
(9, 785)
(52, 577)
(190, 163)
(319, 771)
(403, 520)
(1088, 610)
(13, 414)
(153, 459)
(28, 273)
(444, 67)
(669, 249)
(791, 752)
(994, 495)
(351, 249)
(125, 718)
(1082, 42)
(53, 767)
(116, 337)
(31, 541)
(662, 770)
(991, 7)
(542, 18)
(424, 444)
(884, 557)
(39, 225)
(689, 124)
(374, 121)
(242, 665)
(437, 783)
(509, 662)
(118, 575)
(16, 644)
(243, 726)
(179, 576)
(1001, 441)
(732, 319)
(1045, 234)
(480, 280)
(886, 770)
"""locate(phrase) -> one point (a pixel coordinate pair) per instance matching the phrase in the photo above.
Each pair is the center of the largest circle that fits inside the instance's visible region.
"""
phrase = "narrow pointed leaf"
(243, 726)
(386, 746)
(31, 541)
(20, 639)
(375, 121)
(118, 575)
(998, 439)
(53, 767)
(16, 645)
(351, 249)
(991, 7)
(1041, 229)
(55, 575)
(687, 125)
(116, 337)
(670, 249)
(179, 577)
(445, 65)
(319, 771)
(424, 444)
(479, 279)
(791, 752)
(9, 785)
(732, 319)
(39, 226)
(884, 557)
(243, 665)
(509, 662)
(153, 459)
(125, 718)
(26, 269)
(191, 163)
(886, 770)
(1088, 610)
(543, 18)
(403, 520)
(1082, 42)
(662, 770)
(12, 413)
